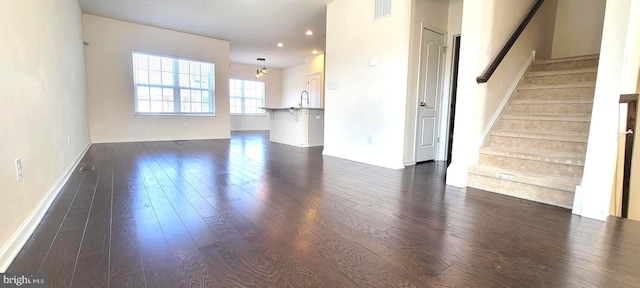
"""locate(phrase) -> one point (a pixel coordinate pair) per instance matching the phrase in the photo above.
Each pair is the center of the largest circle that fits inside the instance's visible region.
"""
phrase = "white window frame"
(177, 89)
(243, 97)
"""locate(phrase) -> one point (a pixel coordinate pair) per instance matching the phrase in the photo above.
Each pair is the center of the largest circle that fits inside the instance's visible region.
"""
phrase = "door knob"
(422, 104)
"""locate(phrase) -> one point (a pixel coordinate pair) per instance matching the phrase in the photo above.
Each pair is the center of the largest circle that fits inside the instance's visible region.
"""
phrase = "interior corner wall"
(272, 86)
(314, 64)
(43, 114)
(454, 28)
(294, 80)
(432, 15)
(110, 82)
(578, 28)
(365, 102)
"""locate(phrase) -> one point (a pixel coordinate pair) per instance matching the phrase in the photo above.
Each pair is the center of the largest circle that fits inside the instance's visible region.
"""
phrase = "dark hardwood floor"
(249, 213)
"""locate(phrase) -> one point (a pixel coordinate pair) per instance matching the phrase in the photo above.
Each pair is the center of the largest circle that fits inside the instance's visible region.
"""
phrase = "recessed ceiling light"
(309, 32)
(315, 52)
(280, 44)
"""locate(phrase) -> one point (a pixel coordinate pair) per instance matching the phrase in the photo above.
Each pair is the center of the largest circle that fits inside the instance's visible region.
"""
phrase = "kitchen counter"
(296, 126)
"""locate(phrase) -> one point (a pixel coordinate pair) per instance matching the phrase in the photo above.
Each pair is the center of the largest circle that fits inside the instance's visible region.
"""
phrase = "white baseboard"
(287, 143)
(20, 237)
(395, 166)
(506, 98)
(577, 201)
(251, 129)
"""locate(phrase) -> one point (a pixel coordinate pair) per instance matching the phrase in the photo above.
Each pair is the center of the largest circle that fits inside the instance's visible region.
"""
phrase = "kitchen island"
(296, 126)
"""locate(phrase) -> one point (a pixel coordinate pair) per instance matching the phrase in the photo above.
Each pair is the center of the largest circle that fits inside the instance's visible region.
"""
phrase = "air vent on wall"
(381, 8)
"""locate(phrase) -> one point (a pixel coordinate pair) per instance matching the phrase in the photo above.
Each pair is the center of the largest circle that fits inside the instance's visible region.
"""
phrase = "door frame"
(320, 85)
(453, 94)
(632, 105)
(440, 97)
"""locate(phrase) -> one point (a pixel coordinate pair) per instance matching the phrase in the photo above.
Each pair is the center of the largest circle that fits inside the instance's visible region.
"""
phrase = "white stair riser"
(525, 191)
(568, 65)
(538, 144)
(551, 109)
(561, 79)
(556, 93)
(558, 127)
(540, 167)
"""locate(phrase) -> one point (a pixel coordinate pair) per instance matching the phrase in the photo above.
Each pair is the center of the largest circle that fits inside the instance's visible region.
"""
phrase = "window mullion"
(177, 100)
(212, 97)
(242, 110)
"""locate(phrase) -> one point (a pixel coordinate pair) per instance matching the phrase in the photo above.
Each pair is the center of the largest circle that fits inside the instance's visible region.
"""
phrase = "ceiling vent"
(381, 8)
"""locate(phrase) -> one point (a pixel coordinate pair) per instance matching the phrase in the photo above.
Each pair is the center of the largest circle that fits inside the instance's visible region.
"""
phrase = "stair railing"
(507, 46)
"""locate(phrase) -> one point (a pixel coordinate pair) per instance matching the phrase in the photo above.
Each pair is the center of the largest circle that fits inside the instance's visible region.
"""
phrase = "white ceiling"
(253, 27)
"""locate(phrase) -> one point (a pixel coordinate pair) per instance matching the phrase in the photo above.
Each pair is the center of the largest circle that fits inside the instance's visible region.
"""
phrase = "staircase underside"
(537, 147)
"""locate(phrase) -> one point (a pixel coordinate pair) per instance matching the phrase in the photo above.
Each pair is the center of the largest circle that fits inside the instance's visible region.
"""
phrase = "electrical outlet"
(369, 139)
(19, 169)
(69, 138)
(186, 124)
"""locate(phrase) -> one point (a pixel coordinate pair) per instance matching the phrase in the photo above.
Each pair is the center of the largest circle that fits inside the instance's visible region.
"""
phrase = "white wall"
(617, 74)
(491, 22)
(294, 79)
(272, 85)
(110, 82)
(43, 101)
(366, 106)
(537, 36)
(314, 64)
(578, 28)
(454, 27)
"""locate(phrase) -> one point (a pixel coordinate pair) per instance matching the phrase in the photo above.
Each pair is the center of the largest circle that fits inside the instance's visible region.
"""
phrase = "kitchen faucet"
(301, 94)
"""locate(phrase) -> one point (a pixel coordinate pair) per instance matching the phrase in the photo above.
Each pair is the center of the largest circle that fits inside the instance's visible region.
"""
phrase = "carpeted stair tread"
(560, 183)
(556, 86)
(574, 118)
(542, 156)
(542, 136)
(567, 59)
(561, 72)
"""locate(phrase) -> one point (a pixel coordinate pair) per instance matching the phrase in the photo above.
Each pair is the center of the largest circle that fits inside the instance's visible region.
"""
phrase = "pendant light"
(261, 69)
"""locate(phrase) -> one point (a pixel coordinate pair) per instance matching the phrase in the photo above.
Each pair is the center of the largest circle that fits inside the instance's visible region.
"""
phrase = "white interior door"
(314, 81)
(429, 94)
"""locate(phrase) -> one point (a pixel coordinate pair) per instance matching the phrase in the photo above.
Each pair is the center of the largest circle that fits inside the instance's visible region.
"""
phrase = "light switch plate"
(19, 169)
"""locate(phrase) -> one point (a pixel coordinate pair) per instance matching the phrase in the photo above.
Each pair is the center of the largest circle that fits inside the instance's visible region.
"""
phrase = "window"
(168, 85)
(246, 96)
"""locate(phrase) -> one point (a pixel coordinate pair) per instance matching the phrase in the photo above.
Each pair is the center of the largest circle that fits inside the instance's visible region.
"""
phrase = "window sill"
(172, 115)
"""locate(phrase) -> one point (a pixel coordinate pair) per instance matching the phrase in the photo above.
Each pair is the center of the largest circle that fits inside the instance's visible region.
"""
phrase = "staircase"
(537, 147)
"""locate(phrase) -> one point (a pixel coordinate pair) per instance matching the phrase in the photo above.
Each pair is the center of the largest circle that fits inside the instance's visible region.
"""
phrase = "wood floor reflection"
(249, 213)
